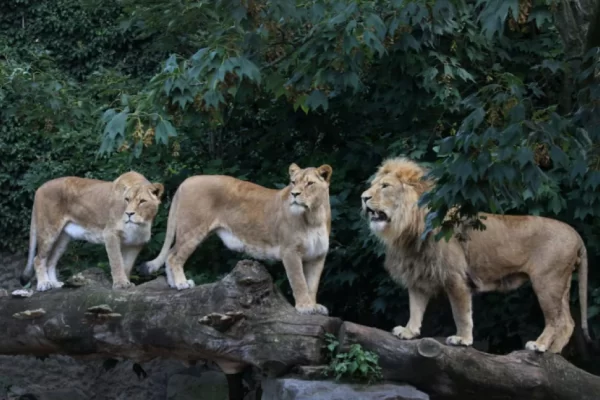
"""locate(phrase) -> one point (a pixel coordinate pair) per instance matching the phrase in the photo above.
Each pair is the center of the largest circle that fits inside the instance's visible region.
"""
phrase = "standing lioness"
(291, 224)
(118, 214)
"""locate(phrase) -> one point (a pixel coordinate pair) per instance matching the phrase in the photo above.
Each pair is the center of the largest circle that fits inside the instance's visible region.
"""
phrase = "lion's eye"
(127, 199)
(293, 182)
(309, 183)
(384, 185)
(142, 201)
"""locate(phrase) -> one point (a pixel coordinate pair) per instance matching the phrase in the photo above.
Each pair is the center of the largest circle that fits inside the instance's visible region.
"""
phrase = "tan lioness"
(509, 252)
(291, 225)
(118, 214)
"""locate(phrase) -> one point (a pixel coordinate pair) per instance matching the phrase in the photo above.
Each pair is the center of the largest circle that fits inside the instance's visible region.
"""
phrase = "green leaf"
(373, 42)
(317, 99)
(558, 156)
(213, 98)
(524, 156)
(247, 68)
(163, 131)
(374, 21)
(116, 126)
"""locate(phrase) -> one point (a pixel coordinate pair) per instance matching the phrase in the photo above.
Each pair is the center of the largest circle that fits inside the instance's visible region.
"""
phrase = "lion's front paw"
(57, 284)
(44, 286)
(459, 341)
(312, 309)
(534, 346)
(184, 285)
(404, 333)
(123, 285)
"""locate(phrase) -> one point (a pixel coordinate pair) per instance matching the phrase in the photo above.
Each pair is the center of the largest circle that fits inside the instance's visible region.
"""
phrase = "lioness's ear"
(157, 189)
(293, 169)
(325, 171)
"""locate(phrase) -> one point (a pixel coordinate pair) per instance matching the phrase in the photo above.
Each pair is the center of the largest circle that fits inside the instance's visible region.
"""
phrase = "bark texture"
(243, 320)
(578, 24)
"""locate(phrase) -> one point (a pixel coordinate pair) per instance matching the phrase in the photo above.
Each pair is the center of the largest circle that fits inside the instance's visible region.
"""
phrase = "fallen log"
(244, 321)
(466, 373)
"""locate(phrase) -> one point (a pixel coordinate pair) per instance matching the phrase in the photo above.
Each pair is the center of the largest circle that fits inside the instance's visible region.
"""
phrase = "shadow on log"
(244, 321)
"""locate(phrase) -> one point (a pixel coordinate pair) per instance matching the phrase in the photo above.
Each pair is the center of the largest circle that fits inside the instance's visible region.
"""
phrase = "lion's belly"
(78, 232)
(236, 244)
(316, 243)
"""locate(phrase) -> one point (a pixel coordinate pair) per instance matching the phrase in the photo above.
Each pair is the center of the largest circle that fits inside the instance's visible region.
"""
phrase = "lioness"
(118, 214)
(291, 225)
(510, 251)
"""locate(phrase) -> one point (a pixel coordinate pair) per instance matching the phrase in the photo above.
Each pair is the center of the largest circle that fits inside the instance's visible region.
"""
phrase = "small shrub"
(357, 364)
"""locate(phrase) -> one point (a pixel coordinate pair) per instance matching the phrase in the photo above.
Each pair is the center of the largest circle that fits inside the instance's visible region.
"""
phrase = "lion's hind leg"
(185, 244)
(567, 325)
(41, 261)
(59, 249)
(550, 286)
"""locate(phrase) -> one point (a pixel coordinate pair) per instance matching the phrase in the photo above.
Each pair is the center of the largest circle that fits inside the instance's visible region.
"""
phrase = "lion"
(118, 213)
(291, 225)
(509, 252)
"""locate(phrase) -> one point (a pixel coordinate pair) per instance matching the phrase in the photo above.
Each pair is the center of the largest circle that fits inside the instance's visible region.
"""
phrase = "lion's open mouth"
(377, 215)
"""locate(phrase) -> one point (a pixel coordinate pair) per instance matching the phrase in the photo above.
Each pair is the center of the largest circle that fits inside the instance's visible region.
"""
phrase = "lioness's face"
(142, 203)
(387, 199)
(309, 188)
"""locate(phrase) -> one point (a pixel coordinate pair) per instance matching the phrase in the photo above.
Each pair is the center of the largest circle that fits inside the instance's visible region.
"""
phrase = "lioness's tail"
(583, 284)
(154, 265)
(28, 272)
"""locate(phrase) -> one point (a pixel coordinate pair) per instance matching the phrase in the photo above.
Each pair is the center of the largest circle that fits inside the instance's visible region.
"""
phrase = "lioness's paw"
(57, 284)
(184, 285)
(312, 309)
(123, 285)
(404, 333)
(459, 341)
(533, 346)
(44, 286)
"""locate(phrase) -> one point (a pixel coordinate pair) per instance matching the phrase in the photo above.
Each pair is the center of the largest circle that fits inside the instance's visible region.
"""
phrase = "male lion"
(510, 251)
(118, 214)
(292, 225)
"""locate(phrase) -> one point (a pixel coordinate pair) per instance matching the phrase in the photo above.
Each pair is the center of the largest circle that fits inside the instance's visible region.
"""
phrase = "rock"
(77, 280)
(210, 385)
(298, 389)
(62, 394)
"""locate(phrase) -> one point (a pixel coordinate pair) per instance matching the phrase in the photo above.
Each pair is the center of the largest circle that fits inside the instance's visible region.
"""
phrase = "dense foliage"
(245, 87)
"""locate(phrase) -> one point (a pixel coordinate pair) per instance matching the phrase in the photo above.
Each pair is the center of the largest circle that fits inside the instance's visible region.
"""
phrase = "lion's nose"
(295, 194)
(365, 198)
(130, 214)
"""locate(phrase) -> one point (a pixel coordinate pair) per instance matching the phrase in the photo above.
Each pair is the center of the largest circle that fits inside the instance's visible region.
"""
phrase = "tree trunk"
(578, 23)
(244, 321)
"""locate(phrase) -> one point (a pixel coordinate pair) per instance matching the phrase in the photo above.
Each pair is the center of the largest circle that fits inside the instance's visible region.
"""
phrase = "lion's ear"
(293, 169)
(157, 189)
(325, 172)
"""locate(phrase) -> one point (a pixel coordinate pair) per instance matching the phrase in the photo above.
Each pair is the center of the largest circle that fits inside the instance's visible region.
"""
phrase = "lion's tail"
(28, 272)
(160, 260)
(583, 284)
